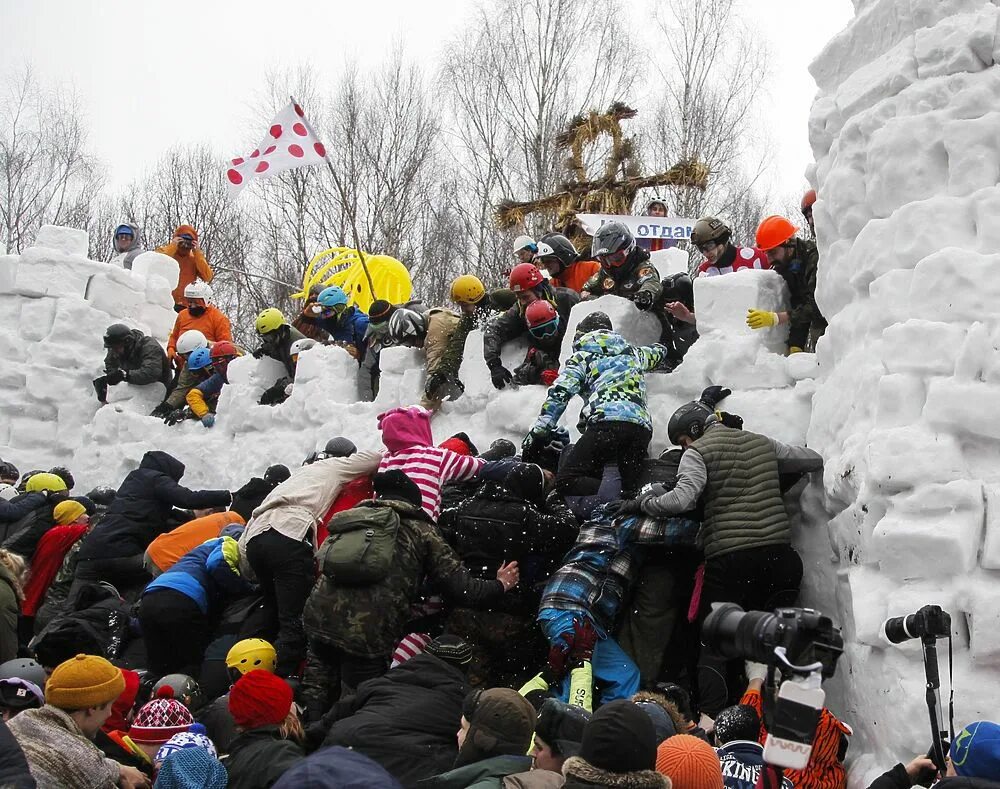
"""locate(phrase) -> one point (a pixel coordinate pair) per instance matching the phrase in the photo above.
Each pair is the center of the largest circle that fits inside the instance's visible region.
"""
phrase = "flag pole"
(343, 198)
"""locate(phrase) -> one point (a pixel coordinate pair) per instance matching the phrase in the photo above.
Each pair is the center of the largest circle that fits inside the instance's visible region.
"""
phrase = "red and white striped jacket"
(430, 468)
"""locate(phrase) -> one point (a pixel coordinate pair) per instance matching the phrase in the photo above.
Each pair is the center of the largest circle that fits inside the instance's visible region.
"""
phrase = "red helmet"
(540, 312)
(525, 276)
(808, 199)
(224, 349)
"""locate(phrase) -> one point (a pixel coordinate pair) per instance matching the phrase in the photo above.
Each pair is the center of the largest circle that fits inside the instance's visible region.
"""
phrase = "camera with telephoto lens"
(806, 636)
(929, 622)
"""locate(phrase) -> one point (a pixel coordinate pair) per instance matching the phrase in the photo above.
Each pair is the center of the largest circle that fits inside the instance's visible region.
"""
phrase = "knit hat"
(159, 720)
(395, 484)
(259, 698)
(60, 643)
(186, 230)
(451, 649)
(561, 726)
(619, 739)
(67, 512)
(976, 751)
(501, 721)
(461, 444)
(118, 719)
(337, 768)
(195, 737)
(192, 768)
(379, 311)
(409, 646)
(84, 681)
(689, 762)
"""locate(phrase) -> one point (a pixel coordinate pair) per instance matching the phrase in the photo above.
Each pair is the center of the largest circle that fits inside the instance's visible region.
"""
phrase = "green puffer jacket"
(743, 506)
(368, 619)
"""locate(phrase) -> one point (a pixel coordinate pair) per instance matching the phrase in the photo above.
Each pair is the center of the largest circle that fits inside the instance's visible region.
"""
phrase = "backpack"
(361, 545)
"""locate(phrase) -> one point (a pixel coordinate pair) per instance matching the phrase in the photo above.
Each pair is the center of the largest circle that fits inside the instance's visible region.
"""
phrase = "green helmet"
(709, 229)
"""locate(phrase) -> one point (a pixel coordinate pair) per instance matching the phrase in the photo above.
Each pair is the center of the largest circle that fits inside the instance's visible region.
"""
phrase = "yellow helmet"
(45, 481)
(250, 654)
(467, 289)
(270, 320)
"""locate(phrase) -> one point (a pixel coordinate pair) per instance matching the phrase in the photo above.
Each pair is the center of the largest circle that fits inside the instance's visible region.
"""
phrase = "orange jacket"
(193, 266)
(575, 277)
(167, 549)
(213, 323)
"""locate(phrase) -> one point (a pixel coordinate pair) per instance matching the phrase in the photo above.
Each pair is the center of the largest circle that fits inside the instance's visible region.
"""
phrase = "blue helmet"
(332, 297)
(199, 359)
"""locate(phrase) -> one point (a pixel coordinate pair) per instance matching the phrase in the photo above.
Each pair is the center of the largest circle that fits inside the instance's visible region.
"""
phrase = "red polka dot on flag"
(270, 149)
(299, 112)
(238, 161)
(319, 148)
(296, 151)
(276, 131)
(261, 167)
(235, 177)
(300, 129)
(255, 154)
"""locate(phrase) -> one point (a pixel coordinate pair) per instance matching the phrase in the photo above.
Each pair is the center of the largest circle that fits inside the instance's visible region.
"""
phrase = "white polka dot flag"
(290, 142)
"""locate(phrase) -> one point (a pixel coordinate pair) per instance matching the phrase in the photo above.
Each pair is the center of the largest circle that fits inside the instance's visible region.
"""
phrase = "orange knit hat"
(690, 763)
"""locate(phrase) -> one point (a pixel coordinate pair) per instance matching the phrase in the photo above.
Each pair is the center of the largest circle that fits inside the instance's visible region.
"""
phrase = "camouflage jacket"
(369, 619)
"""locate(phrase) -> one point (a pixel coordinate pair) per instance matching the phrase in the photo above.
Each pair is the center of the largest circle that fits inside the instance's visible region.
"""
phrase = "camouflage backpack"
(361, 545)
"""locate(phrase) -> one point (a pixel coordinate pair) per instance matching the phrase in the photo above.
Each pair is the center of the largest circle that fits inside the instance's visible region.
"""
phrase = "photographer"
(973, 763)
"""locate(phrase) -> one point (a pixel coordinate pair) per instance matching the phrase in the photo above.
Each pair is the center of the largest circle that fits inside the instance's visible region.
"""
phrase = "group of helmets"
(203, 356)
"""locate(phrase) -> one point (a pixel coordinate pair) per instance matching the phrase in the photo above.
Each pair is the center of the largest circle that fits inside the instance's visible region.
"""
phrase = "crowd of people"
(432, 614)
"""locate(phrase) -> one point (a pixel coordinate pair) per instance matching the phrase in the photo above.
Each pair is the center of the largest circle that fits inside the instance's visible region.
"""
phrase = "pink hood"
(403, 428)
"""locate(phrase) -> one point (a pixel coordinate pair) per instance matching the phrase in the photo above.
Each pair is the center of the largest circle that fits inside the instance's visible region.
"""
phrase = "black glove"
(178, 415)
(713, 395)
(620, 509)
(643, 300)
(260, 353)
(500, 376)
(162, 411)
(434, 382)
(275, 394)
(732, 420)
(114, 377)
(101, 387)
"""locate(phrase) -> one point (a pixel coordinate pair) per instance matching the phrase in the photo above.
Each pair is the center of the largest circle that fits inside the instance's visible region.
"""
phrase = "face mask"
(196, 311)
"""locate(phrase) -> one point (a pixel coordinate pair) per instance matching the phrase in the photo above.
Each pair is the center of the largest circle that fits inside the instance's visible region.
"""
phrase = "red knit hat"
(689, 762)
(118, 719)
(259, 698)
(159, 720)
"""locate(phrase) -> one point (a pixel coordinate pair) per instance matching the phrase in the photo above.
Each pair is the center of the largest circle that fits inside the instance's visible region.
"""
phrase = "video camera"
(800, 643)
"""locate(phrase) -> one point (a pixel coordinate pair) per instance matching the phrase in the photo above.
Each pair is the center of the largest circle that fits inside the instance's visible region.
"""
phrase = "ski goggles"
(614, 258)
(544, 330)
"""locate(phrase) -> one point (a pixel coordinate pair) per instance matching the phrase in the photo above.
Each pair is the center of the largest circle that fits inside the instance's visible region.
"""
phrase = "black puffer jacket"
(405, 720)
(259, 757)
(19, 506)
(144, 361)
(22, 536)
(494, 526)
(249, 497)
(141, 510)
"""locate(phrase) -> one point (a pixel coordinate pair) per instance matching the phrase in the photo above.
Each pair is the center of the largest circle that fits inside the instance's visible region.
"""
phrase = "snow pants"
(614, 671)
(175, 630)
(604, 465)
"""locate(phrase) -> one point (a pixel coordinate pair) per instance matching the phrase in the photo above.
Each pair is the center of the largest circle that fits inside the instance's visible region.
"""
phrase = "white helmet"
(198, 290)
(405, 324)
(300, 345)
(190, 340)
(524, 242)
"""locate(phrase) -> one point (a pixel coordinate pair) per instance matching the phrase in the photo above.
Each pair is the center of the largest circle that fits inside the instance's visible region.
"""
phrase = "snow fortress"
(905, 136)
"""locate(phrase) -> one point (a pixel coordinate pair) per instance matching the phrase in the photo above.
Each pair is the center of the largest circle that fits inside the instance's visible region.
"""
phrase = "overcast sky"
(153, 73)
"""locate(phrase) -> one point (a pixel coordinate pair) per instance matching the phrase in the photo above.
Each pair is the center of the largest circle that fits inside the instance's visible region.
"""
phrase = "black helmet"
(556, 245)
(595, 321)
(277, 474)
(24, 668)
(181, 687)
(8, 470)
(678, 287)
(688, 420)
(116, 334)
(612, 237)
(339, 447)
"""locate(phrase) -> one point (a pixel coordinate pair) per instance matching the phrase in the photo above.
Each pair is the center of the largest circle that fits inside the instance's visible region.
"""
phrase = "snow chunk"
(67, 240)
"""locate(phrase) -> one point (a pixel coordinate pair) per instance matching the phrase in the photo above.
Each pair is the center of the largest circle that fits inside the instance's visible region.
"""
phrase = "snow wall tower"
(906, 136)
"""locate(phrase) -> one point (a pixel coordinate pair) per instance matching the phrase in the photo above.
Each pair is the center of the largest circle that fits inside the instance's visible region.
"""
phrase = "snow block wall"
(906, 136)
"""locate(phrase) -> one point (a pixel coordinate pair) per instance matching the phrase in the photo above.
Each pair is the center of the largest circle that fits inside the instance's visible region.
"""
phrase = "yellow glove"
(794, 349)
(760, 319)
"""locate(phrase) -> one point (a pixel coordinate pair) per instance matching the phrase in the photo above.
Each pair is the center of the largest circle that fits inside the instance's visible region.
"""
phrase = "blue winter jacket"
(609, 374)
(207, 573)
(350, 327)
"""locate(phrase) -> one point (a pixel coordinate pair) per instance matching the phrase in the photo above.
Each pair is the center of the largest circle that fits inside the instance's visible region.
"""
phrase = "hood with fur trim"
(580, 773)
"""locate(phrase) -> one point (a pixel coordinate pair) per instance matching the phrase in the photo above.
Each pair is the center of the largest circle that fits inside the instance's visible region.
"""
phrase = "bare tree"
(707, 111)
(47, 174)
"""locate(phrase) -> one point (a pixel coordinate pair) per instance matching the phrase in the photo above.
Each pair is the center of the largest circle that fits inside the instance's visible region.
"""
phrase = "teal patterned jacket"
(609, 374)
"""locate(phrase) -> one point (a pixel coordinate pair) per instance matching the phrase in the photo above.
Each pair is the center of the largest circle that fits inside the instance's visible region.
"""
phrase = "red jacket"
(45, 563)
(354, 492)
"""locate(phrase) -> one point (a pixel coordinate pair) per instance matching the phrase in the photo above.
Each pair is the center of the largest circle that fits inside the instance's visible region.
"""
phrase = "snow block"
(67, 240)
(8, 272)
(40, 273)
(900, 400)
(156, 321)
(722, 302)
(921, 346)
(963, 407)
(636, 326)
(149, 264)
(990, 558)
(935, 530)
(670, 261)
(959, 281)
(37, 318)
(963, 42)
(115, 298)
(929, 458)
(984, 622)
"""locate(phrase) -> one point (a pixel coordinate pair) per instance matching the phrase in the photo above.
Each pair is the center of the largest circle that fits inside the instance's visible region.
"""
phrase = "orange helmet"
(808, 199)
(774, 231)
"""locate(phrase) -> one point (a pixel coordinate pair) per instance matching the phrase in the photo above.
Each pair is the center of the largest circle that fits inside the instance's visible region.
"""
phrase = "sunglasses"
(187, 237)
(547, 329)
(707, 246)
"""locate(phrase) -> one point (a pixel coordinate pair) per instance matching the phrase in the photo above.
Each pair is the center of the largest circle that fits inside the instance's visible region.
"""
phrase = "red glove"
(556, 668)
(549, 376)
(584, 638)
